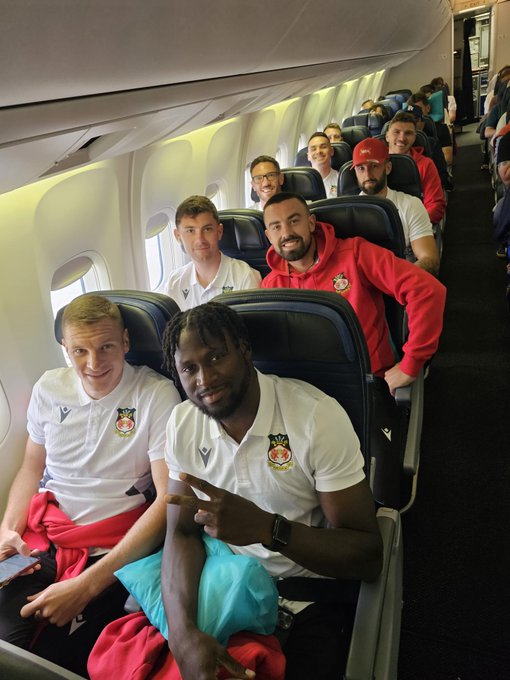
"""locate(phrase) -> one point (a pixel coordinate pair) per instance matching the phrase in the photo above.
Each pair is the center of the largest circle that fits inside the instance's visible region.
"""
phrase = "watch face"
(281, 531)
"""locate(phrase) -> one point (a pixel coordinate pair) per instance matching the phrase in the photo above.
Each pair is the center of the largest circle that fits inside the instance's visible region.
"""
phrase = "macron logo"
(185, 292)
(204, 454)
(76, 623)
(64, 412)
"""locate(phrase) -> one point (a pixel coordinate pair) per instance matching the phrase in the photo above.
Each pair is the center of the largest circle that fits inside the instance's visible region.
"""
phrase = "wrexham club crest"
(341, 284)
(279, 455)
(125, 424)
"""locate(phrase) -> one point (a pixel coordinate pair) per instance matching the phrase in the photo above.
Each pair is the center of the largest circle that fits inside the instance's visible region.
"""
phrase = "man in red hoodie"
(304, 253)
(401, 135)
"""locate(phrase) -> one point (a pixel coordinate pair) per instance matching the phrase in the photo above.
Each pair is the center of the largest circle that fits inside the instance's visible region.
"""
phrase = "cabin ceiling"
(76, 69)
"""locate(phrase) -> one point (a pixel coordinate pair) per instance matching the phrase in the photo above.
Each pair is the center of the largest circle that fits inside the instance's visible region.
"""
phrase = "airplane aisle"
(456, 616)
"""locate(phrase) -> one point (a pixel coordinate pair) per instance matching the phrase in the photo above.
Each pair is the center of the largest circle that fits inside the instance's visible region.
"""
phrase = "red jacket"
(361, 271)
(433, 196)
(47, 523)
(131, 649)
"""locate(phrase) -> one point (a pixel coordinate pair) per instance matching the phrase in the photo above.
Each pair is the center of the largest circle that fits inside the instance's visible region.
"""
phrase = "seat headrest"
(354, 134)
(374, 218)
(404, 175)
(244, 237)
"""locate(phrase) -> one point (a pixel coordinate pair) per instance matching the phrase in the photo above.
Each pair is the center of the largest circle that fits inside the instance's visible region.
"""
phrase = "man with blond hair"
(89, 496)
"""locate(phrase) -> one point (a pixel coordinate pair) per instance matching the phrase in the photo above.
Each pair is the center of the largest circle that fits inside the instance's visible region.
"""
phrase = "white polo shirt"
(331, 184)
(184, 287)
(99, 451)
(301, 442)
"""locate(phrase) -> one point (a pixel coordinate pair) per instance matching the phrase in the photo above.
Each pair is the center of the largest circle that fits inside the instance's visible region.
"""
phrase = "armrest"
(376, 633)
(413, 441)
(18, 664)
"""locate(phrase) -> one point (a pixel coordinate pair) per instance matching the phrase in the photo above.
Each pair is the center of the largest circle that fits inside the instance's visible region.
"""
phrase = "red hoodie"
(433, 196)
(361, 271)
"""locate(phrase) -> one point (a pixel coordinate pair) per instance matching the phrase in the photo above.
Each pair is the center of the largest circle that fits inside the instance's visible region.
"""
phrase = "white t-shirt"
(184, 287)
(331, 183)
(301, 442)
(413, 215)
(99, 451)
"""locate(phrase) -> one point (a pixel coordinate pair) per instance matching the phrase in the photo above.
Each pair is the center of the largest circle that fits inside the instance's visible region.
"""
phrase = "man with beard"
(401, 135)
(224, 481)
(371, 163)
(266, 179)
(304, 253)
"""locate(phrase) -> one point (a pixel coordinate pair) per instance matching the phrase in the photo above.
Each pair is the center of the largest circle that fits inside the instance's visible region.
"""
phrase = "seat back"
(354, 134)
(405, 94)
(375, 124)
(305, 181)
(341, 153)
(357, 119)
(404, 175)
(313, 336)
(145, 316)
(377, 220)
(398, 96)
(244, 237)
(391, 104)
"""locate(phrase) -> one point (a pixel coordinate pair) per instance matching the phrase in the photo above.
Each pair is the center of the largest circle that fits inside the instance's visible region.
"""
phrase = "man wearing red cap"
(401, 135)
(372, 166)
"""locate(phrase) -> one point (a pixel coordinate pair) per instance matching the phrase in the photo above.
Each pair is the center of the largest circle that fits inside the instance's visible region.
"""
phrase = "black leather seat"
(320, 341)
(353, 135)
(377, 220)
(244, 237)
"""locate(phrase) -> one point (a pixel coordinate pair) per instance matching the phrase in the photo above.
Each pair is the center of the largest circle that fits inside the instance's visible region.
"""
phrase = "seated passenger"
(320, 153)
(210, 272)
(502, 210)
(500, 103)
(266, 179)
(236, 494)
(401, 135)
(372, 166)
(304, 253)
(94, 462)
(420, 100)
(333, 131)
(366, 105)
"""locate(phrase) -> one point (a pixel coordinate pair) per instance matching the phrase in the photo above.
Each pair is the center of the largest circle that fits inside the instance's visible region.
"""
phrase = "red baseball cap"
(370, 150)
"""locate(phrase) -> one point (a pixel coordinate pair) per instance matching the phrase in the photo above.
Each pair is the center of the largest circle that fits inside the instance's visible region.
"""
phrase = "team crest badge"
(227, 289)
(341, 284)
(125, 424)
(279, 455)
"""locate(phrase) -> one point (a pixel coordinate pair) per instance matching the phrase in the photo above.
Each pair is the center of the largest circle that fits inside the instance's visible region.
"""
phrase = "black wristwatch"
(281, 534)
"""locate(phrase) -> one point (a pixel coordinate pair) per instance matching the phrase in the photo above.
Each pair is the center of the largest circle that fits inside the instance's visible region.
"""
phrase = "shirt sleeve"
(419, 292)
(418, 220)
(433, 196)
(35, 425)
(164, 399)
(335, 449)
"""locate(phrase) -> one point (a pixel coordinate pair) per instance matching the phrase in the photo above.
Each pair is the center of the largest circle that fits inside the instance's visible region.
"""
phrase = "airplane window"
(72, 279)
(217, 195)
(5, 414)
(154, 241)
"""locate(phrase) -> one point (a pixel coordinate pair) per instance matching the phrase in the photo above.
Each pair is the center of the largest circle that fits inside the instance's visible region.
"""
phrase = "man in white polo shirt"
(320, 153)
(89, 495)
(273, 467)
(210, 272)
(371, 163)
